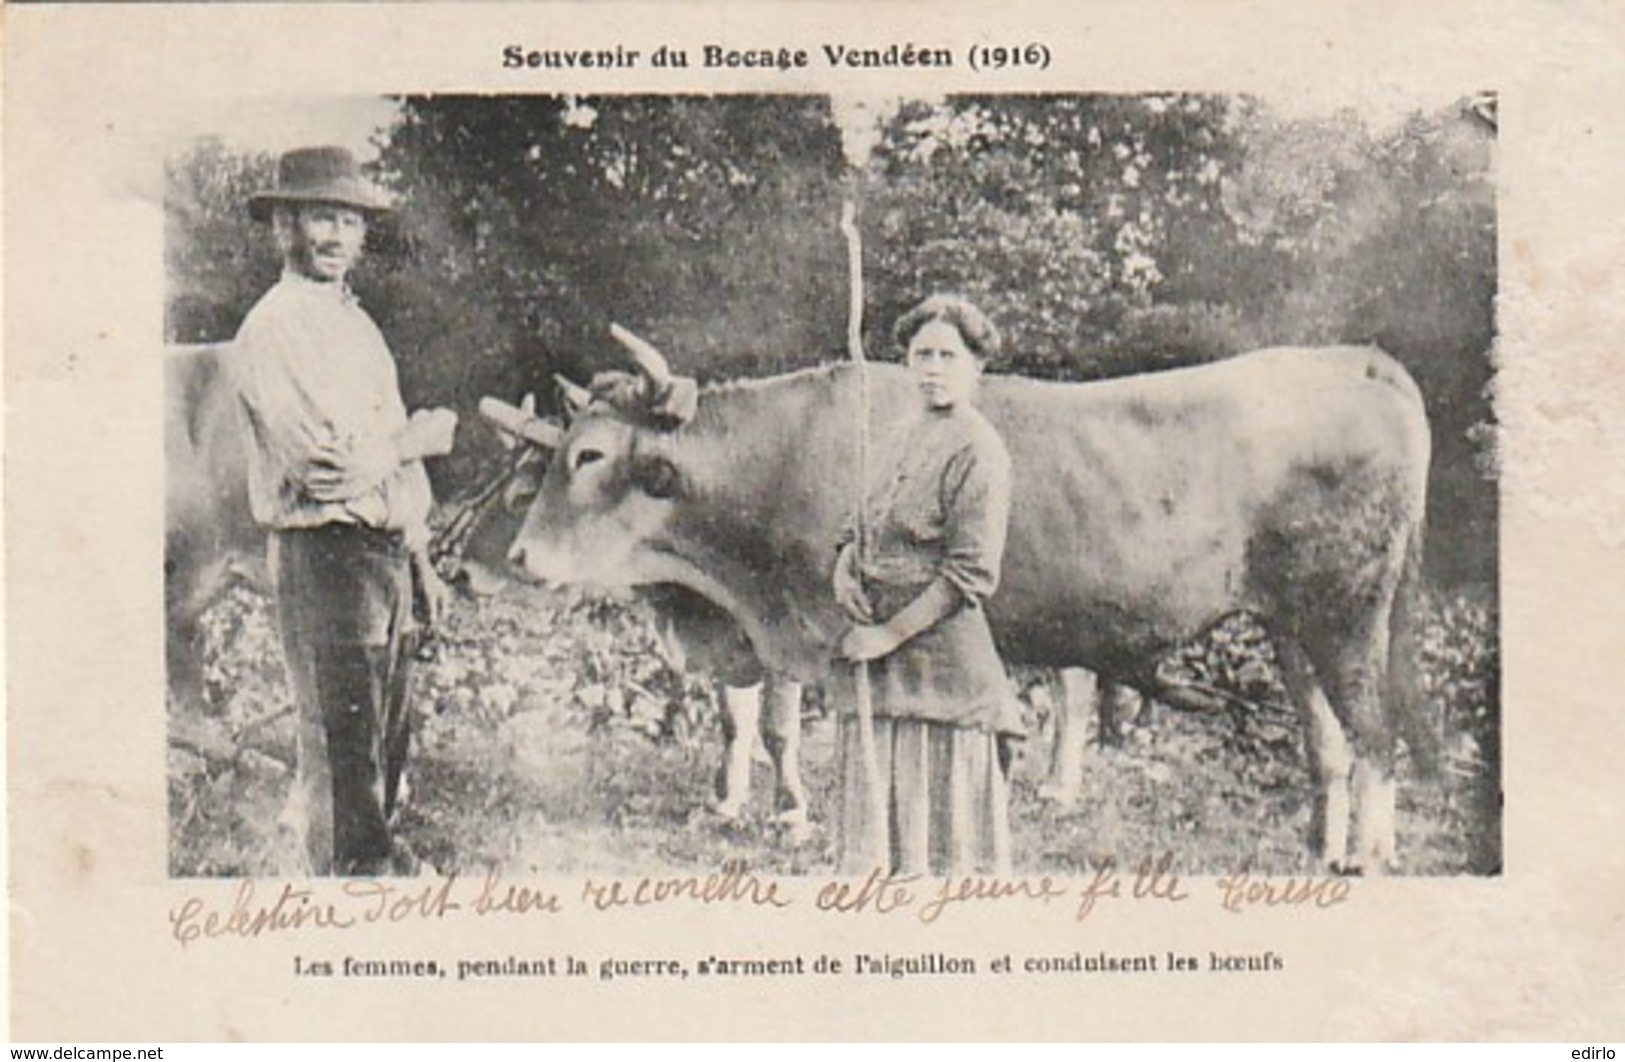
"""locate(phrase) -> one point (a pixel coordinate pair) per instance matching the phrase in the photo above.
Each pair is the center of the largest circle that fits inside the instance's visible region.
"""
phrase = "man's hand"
(849, 587)
(867, 642)
(341, 474)
(429, 433)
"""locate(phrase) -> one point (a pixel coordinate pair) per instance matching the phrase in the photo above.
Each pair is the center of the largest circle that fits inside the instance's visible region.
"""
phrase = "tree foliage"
(702, 222)
(217, 259)
(1056, 211)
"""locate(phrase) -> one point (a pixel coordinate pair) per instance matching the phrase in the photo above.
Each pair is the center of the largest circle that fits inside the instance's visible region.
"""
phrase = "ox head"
(610, 484)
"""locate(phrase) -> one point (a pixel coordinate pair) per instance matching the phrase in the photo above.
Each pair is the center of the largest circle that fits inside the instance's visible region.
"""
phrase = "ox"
(753, 699)
(1289, 483)
(696, 634)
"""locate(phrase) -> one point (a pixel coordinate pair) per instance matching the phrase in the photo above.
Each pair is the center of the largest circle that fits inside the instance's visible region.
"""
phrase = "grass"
(554, 739)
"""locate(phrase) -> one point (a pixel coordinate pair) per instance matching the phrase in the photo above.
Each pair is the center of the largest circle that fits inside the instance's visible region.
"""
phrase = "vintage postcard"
(799, 521)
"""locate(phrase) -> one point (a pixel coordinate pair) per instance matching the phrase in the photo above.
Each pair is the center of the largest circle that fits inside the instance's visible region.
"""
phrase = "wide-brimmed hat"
(320, 175)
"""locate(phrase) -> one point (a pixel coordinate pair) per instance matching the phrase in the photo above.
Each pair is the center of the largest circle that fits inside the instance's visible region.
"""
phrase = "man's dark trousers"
(344, 606)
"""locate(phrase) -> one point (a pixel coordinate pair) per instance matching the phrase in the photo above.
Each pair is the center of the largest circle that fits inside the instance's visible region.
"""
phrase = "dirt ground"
(553, 738)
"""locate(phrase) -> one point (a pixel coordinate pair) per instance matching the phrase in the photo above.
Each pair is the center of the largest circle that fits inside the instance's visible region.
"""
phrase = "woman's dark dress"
(939, 509)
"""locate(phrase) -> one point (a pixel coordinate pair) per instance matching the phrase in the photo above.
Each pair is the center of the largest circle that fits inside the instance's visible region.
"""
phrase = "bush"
(1173, 335)
(1459, 646)
(1458, 658)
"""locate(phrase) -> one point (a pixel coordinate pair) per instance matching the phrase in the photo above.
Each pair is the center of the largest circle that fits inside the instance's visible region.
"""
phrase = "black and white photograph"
(971, 484)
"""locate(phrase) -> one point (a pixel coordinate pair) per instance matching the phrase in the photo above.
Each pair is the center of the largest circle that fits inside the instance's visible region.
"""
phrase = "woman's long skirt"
(947, 799)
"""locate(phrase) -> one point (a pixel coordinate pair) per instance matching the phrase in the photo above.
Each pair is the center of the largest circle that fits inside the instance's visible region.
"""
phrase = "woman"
(934, 531)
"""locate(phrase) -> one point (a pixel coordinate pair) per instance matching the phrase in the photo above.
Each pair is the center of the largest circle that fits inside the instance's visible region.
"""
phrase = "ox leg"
(183, 653)
(1375, 794)
(194, 720)
(1079, 693)
(1330, 759)
(741, 719)
(1109, 707)
(1359, 692)
(781, 733)
(190, 587)
(1119, 704)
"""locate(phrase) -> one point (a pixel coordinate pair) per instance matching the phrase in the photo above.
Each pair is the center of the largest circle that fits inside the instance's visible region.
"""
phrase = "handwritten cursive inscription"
(736, 884)
(499, 897)
(385, 901)
(966, 890)
(880, 892)
(1240, 891)
(251, 912)
(294, 908)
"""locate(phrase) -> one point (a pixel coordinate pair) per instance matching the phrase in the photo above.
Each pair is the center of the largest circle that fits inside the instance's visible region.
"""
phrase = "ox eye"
(586, 456)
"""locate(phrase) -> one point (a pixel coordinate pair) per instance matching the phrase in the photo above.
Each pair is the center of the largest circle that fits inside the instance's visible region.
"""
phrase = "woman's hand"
(849, 587)
(867, 642)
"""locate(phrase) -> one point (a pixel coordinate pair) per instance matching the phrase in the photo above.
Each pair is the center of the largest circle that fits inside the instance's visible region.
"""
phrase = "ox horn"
(649, 360)
(521, 424)
(576, 397)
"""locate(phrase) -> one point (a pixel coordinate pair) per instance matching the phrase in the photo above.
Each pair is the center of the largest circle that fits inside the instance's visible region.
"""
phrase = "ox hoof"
(794, 825)
(404, 862)
(289, 848)
(1342, 868)
(725, 810)
(403, 797)
(1373, 866)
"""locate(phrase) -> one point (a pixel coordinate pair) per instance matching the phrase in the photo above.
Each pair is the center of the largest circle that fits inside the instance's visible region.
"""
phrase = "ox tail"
(1406, 693)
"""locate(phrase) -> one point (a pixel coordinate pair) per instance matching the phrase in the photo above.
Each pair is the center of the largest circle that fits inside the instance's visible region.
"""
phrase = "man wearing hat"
(336, 477)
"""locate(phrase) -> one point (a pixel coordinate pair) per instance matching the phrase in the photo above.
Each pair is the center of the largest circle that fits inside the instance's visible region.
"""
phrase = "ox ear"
(521, 491)
(657, 477)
